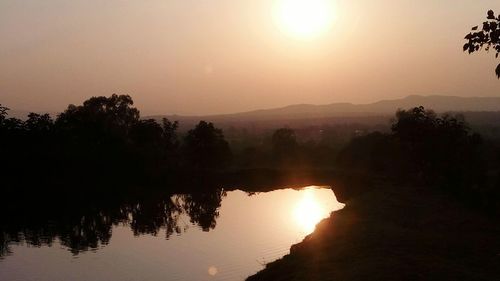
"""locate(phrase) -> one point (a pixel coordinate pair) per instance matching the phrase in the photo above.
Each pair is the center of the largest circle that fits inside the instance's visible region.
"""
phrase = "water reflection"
(215, 235)
(309, 211)
(86, 227)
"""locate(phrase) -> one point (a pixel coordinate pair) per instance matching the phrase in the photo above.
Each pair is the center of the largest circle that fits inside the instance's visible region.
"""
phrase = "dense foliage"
(428, 149)
(205, 147)
(487, 37)
(103, 141)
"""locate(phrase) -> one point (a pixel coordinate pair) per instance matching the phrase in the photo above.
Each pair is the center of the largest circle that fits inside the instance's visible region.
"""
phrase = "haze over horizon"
(211, 57)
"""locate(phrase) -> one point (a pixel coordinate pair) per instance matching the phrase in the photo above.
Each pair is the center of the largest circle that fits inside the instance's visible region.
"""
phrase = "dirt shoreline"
(395, 233)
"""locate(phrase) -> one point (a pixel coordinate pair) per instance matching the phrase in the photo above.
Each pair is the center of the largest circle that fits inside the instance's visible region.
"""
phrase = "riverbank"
(395, 233)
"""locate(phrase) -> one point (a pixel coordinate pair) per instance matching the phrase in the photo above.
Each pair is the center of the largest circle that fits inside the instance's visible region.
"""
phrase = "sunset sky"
(222, 56)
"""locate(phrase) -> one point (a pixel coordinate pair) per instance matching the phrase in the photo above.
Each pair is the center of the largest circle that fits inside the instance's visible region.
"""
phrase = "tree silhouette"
(3, 112)
(437, 150)
(437, 146)
(284, 144)
(154, 144)
(206, 148)
(488, 37)
(169, 134)
(100, 118)
(414, 124)
(147, 132)
(39, 123)
(284, 138)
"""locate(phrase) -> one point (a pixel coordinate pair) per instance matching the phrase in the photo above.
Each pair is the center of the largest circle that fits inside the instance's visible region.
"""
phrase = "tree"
(440, 148)
(169, 134)
(3, 113)
(13, 125)
(147, 132)
(488, 37)
(423, 146)
(372, 153)
(284, 143)
(39, 123)
(155, 143)
(415, 124)
(99, 119)
(93, 138)
(205, 147)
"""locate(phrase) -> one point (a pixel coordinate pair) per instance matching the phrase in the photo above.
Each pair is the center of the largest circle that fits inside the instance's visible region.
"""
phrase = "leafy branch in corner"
(487, 38)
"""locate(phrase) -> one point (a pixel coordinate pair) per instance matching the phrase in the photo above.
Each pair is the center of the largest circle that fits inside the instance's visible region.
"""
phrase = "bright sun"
(304, 19)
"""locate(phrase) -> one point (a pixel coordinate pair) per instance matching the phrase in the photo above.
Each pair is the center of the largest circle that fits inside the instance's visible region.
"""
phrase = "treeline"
(427, 149)
(104, 142)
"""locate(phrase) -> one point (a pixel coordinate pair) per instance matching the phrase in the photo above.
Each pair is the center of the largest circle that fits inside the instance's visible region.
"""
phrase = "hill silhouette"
(372, 113)
(384, 108)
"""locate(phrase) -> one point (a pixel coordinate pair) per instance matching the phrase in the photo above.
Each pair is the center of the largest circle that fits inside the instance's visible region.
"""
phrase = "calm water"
(182, 238)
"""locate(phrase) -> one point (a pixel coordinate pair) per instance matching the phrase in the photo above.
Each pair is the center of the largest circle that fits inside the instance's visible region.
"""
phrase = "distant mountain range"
(347, 112)
(372, 113)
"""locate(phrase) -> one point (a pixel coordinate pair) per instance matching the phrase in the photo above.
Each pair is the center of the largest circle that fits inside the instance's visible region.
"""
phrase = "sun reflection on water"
(308, 212)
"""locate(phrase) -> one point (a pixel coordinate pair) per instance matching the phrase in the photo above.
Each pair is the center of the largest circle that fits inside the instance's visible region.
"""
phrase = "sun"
(304, 19)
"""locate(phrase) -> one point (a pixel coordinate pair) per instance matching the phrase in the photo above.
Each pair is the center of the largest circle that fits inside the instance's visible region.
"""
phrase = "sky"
(222, 56)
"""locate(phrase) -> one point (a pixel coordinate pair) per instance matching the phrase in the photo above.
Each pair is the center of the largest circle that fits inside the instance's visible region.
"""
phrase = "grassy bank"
(395, 233)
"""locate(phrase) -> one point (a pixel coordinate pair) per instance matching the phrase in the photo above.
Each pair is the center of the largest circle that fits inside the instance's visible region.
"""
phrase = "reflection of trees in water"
(203, 208)
(149, 217)
(81, 229)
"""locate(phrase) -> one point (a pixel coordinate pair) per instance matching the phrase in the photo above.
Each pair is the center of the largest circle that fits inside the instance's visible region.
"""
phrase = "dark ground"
(395, 233)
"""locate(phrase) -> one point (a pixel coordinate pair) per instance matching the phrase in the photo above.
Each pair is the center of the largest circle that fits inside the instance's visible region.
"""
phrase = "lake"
(207, 236)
